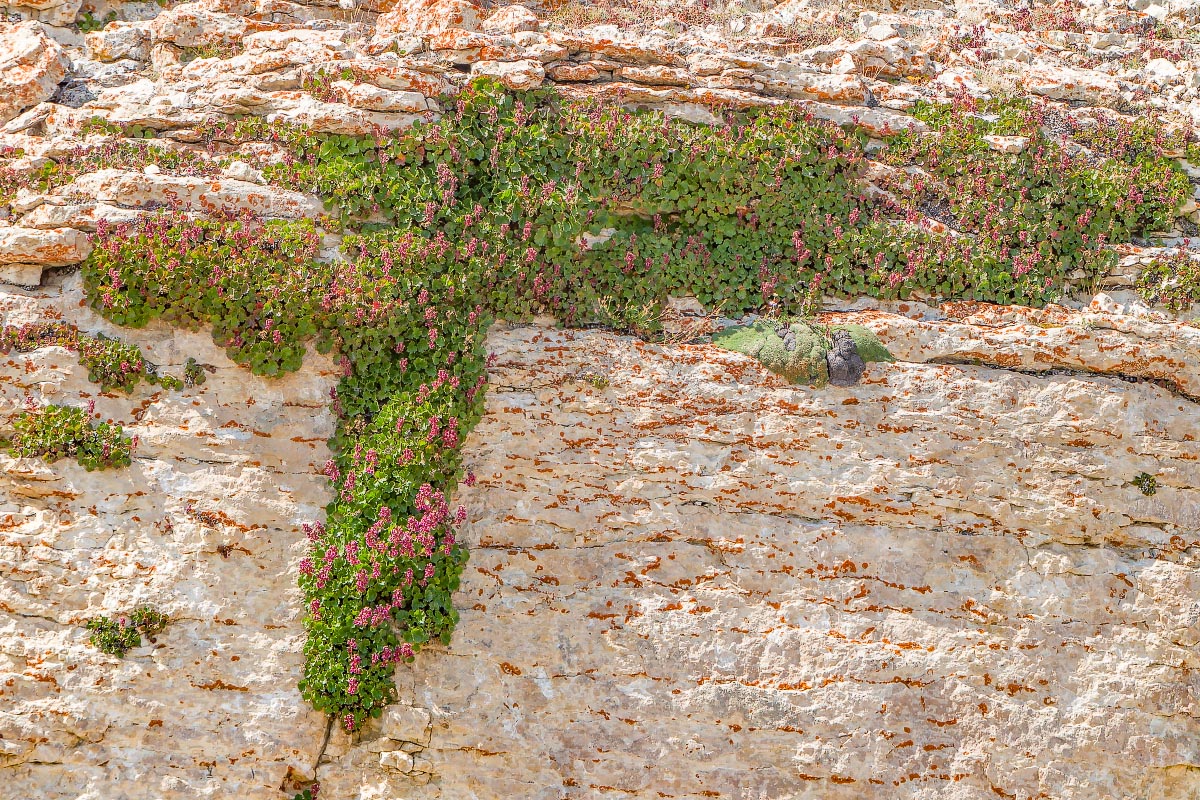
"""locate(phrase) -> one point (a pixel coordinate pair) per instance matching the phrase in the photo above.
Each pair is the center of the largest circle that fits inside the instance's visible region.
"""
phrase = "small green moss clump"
(1147, 483)
(795, 349)
(117, 636)
(791, 349)
(54, 432)
(867, 343)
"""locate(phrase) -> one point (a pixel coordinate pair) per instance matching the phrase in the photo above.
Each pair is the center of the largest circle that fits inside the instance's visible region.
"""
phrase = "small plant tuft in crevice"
(110, 362)
(54, 432)
(118, 635)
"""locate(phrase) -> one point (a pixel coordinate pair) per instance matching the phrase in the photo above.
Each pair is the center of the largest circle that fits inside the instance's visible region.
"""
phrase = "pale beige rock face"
(211, 709)
(204, 195)
(31, 65)
(698, 581)
(524, 74)
(693, 580)
(55, 247)
(429, 16)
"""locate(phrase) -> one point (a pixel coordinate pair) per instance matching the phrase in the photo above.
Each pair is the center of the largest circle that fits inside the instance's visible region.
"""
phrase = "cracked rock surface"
(688, 578)
(939, 582)
(204, 526)
(702, 581)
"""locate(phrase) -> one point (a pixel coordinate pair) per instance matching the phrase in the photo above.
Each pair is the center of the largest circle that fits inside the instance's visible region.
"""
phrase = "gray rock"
(846, 366)
(73, 94)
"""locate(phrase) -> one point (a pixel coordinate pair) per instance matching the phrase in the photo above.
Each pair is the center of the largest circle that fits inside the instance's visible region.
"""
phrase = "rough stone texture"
(511, 19)
(846, 366)
(429, 16)
(51, 248)
(205, 527)
(188, 25)
(513, 74)
(117, 41)
(1103, 338)
(51, 12)
(31, 65)
(206, 195)
(938, 583)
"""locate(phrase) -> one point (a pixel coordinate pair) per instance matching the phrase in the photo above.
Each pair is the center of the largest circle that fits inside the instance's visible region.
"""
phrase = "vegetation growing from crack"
(1037, 219)
(107, 153)
(519, 204)
(53, 432)
(118, 635)
(110, 362)
(1172, 280)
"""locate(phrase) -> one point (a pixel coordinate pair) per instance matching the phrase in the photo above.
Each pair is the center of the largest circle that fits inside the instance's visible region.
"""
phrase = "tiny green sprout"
(1146, 482)
(594, 379)
(193, 373)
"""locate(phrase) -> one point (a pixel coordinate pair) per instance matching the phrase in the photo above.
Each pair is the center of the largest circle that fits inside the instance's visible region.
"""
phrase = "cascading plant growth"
(517, 204)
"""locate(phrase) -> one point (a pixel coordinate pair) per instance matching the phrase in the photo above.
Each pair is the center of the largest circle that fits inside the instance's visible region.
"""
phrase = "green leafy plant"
(113, 364)
(1171, 280)
(595, 380)
(320, 83)
(113, 153)
(53, 432)
(118, 635)
(516, 204)
(1034, 217)
(193, 373)
(88, 22)
(100, 125)
(1146, 483)
(110, 362)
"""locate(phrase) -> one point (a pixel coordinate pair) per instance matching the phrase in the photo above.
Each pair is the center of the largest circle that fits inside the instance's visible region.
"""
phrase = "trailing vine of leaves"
(110, 362)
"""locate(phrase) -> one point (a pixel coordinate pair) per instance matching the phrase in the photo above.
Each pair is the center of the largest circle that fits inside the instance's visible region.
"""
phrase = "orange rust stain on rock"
(220, 684)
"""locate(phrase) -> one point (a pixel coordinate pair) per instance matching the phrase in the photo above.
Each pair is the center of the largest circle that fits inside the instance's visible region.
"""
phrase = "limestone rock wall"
(700, 582)
(687, 579)
(204, 526)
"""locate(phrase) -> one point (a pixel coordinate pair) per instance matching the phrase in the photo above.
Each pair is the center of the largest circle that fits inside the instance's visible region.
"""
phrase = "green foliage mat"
(517, 204)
